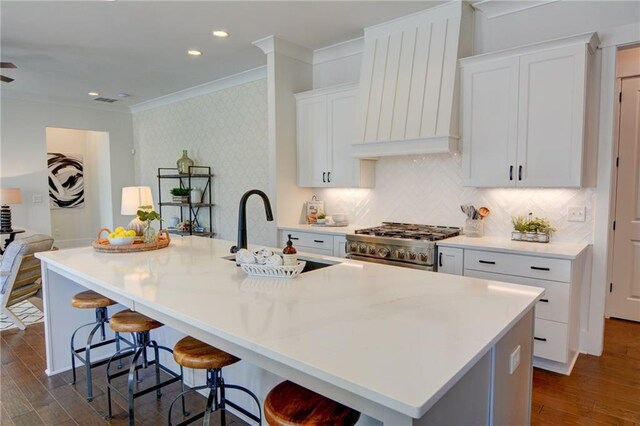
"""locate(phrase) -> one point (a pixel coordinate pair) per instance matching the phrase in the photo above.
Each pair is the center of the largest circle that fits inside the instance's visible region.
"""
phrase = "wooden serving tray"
(102, 244)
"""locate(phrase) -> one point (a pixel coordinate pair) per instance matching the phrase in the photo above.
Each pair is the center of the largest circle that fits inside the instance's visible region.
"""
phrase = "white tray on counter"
(268, 271)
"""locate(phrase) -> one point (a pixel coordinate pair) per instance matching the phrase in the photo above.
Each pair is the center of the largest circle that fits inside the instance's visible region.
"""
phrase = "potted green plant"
(536, 229)
(322, 218)
(180, 195)
(520, 227)
(146, 214)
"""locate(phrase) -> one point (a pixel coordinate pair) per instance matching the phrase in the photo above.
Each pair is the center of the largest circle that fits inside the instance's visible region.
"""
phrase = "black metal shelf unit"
(196, 173)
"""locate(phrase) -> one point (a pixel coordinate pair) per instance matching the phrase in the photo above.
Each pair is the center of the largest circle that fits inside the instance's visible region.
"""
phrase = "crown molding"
(203, 89)
(272, 44)
(496, 8)
(338, 51)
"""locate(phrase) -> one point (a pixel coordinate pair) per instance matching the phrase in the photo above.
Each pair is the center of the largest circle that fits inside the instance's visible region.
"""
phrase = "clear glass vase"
(184, 163)
(149, 235)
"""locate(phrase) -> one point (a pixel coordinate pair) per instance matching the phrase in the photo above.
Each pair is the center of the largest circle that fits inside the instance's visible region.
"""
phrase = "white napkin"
(245, 256)
(262, 254)
(274, 260)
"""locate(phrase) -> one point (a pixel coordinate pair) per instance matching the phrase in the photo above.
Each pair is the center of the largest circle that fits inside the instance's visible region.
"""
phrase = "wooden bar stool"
(139, 325)
(289, 404)
(91, 300)
(193, 353)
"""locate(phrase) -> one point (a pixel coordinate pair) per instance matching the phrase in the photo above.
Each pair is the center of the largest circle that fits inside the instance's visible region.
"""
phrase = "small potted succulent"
(180, 195)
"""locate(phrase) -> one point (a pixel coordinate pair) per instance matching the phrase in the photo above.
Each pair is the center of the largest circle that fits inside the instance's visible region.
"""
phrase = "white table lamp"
(133, 197)
(8, 196)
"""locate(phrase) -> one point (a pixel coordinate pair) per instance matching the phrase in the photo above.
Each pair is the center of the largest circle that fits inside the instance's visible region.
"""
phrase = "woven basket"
(255, 270)
(102, 244)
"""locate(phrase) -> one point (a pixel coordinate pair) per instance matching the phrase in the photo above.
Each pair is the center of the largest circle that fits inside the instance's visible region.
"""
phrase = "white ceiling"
(63, 50)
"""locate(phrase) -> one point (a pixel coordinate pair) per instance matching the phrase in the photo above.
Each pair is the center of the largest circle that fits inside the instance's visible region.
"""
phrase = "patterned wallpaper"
(428, 189)
(226, 130)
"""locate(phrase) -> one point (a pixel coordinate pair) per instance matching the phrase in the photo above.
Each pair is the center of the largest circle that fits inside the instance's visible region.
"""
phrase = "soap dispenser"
(289, 254)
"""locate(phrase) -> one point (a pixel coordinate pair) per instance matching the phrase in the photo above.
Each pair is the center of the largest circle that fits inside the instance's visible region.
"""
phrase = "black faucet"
(242, 217)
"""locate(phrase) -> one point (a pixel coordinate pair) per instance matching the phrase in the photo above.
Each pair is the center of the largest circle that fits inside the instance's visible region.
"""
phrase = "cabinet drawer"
(551, 340)
(308, 239)
(554, 305)
(515, 264)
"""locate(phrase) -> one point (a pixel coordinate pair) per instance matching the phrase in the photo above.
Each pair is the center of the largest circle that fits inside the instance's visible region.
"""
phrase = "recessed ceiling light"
(221, 33)
(123, 95)
(94, 94)
(194, 52)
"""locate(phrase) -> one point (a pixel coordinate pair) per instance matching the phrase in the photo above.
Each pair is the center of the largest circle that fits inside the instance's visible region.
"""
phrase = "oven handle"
(387, 262)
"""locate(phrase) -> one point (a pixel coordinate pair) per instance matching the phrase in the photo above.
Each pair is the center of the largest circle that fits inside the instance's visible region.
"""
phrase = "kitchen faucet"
(242, 217)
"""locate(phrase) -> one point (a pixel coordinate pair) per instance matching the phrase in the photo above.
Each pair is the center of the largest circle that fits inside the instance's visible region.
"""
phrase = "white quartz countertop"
(335, 230)
(557, 250)
(396, 336)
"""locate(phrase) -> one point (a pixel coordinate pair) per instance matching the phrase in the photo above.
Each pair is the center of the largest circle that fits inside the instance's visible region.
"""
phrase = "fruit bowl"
(121, 241)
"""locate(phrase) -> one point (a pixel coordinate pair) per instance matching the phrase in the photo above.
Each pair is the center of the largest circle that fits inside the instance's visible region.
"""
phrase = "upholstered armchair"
(20, 276)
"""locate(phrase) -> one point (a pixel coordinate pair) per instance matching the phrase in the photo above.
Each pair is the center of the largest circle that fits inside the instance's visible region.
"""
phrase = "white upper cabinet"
(524, 114)
(324, 134)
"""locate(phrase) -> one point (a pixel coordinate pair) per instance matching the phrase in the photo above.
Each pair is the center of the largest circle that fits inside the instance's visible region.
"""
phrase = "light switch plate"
(576, 213)
(514, 360)
(37, 198)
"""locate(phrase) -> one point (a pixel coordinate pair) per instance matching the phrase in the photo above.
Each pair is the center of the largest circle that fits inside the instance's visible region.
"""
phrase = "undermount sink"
(311, 265)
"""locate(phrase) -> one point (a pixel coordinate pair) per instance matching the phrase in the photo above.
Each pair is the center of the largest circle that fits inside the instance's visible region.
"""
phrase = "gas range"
(399, 244)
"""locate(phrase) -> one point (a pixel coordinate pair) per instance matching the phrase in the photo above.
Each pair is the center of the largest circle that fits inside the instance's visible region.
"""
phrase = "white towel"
(274, 260)
(245, 256)
(262, 254)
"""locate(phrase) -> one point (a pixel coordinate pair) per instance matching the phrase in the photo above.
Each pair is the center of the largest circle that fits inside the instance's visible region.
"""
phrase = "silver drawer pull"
(488, 262)
(540, 339)
(538, 268)
(318, 241)
(544, 300)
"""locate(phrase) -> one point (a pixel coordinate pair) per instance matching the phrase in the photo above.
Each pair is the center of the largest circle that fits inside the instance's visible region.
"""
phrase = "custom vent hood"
(408, 94)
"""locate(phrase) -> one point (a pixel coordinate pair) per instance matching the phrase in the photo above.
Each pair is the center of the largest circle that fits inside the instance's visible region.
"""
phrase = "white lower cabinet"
(450, 260)
(557, 328)
(314, 242)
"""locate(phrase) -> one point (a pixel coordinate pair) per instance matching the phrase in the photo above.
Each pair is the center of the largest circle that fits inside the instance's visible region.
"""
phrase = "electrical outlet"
(514, 360)
(37, 198)
(576, 213)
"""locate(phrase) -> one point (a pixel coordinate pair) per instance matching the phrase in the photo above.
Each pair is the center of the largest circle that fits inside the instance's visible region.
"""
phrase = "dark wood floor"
(29, 397)
(601, 390)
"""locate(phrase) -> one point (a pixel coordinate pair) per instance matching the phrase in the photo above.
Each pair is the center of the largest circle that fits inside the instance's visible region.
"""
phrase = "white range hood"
(408, 95)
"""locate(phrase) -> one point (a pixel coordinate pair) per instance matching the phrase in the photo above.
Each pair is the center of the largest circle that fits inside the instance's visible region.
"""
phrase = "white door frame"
(592, 333)
(614, 184)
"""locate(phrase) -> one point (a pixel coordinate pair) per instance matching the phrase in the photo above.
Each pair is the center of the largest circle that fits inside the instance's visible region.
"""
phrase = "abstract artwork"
(66, 180)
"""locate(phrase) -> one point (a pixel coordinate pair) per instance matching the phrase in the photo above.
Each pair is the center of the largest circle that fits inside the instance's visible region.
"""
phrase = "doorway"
(79, 180)
(624, 289)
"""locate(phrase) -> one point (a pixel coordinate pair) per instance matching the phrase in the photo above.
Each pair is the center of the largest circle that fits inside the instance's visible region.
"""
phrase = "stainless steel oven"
(399, 244)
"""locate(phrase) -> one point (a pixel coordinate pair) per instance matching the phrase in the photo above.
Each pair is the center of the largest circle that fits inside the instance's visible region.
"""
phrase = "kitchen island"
(402, 346)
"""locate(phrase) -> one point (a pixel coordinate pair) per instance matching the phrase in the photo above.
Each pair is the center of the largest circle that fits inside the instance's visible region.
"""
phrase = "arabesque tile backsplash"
(226, 130)
(428, 189)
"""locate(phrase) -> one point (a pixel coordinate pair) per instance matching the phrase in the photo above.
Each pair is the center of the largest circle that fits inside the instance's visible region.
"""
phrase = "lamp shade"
(133, 197)
(10, 196)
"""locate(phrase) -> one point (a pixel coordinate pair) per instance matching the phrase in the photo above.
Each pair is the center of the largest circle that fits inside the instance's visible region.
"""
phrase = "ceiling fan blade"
(6, 79)
(7, 65)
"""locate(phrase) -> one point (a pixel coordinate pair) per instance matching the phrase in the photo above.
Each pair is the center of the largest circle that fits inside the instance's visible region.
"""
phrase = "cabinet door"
(343, 168)
(340, 246)
(489, 133)
(551, 118)
(450, 260)
(311, 114)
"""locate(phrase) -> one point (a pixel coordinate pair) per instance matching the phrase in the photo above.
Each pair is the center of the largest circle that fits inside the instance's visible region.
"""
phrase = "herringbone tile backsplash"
(428, 189)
